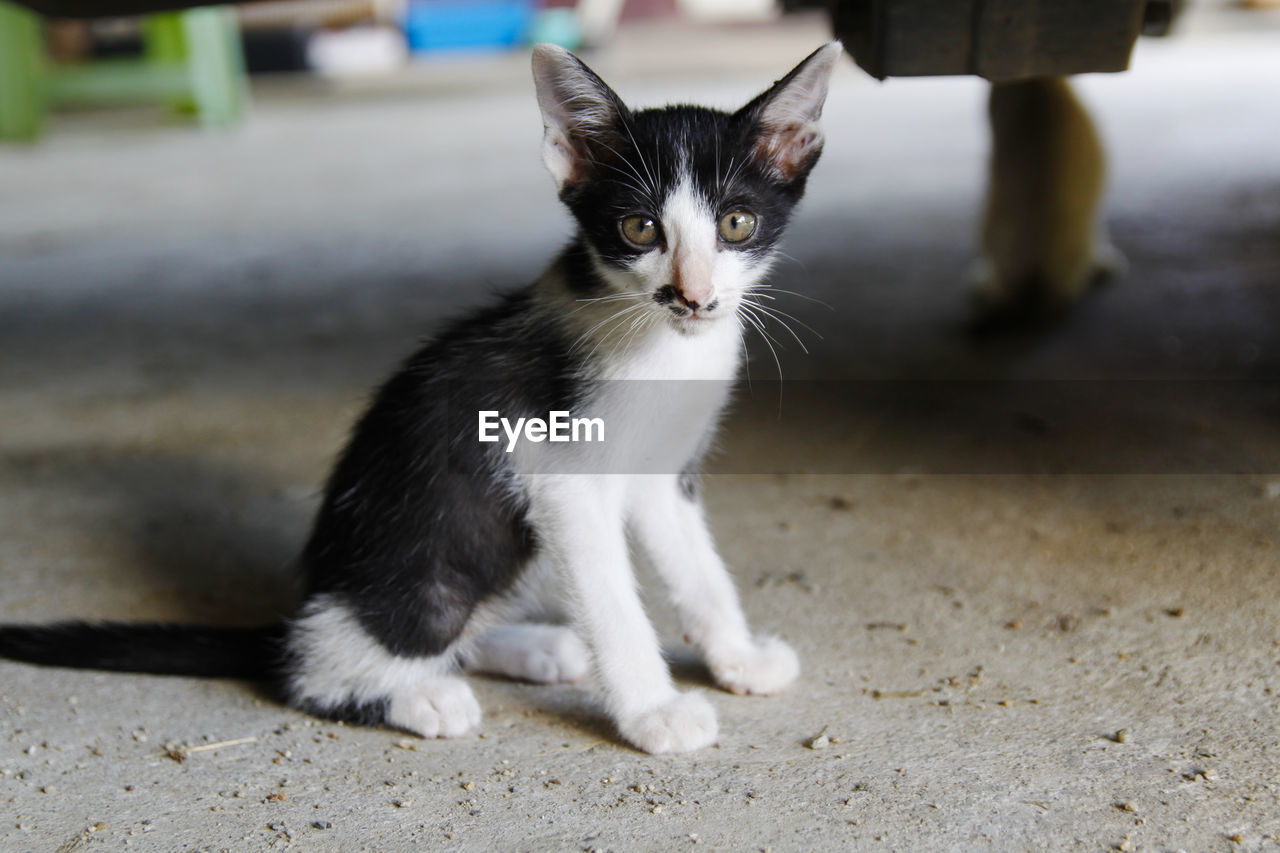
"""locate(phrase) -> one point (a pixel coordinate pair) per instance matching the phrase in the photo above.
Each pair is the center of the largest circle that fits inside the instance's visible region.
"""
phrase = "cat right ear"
(788, 138)
(579, 113)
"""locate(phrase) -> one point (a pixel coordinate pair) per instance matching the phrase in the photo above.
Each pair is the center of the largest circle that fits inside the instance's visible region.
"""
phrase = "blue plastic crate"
(467, 24)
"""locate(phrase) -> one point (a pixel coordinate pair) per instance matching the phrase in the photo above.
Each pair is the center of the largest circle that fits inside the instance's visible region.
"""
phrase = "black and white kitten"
(435, 552)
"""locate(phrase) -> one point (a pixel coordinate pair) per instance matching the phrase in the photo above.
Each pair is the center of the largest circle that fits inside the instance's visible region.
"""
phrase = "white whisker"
(778, 316)
(767, 340)
(589, 301)
(626, 294)
(628, 173)
(653, 183)
(614, 316)
(638, 325)
(757, 288)
(765, 314)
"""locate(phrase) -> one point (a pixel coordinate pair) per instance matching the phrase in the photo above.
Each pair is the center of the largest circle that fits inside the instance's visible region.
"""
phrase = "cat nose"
(694, 298)
(691, 304)
(691, 273)
(679, 300)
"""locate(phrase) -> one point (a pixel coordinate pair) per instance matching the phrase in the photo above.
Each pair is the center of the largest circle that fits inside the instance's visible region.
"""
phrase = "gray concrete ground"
(188, 324)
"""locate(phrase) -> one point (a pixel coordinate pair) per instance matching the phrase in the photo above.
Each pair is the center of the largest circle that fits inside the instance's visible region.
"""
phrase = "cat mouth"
(688, 319)
(684, 313)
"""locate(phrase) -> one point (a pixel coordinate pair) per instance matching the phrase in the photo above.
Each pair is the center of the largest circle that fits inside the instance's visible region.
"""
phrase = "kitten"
(434, 552)
(1043, 240)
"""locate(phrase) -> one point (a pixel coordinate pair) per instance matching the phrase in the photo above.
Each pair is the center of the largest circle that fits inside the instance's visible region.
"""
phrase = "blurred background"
(218, 232)
(377, 169)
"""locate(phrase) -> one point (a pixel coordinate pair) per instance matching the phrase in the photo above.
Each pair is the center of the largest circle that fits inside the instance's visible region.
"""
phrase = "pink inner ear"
(566, 161)
(788, 149)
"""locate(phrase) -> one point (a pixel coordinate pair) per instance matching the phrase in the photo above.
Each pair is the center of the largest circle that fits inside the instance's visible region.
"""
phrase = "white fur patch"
(337, 660)
(542, 653)
(692, 250)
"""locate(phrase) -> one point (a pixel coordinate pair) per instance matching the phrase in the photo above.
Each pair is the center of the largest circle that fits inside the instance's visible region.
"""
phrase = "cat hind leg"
(541, 653)
(435, 707)
(333, 668)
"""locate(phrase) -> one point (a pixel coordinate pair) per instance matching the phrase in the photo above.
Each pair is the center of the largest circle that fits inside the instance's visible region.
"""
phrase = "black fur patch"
(373, 713)
(579, 273)
(420, 522)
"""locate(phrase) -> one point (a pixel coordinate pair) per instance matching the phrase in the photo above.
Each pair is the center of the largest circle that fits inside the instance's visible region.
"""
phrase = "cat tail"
(158, 649)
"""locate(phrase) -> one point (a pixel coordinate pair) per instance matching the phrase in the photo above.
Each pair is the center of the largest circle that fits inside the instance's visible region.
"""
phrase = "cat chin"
(697, 325)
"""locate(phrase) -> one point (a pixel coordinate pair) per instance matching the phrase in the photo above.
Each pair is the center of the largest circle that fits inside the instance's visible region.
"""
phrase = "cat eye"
(639, 230)
(737, 225)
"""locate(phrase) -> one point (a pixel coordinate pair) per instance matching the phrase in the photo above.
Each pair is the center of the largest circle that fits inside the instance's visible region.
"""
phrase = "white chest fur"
(658, 400)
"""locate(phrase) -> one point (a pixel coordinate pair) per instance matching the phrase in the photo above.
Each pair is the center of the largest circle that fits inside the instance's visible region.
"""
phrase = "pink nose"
(692, 301)
(691, 277)
(691, 295)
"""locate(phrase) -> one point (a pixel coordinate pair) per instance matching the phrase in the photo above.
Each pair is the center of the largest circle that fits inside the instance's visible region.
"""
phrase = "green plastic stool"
(191, 60)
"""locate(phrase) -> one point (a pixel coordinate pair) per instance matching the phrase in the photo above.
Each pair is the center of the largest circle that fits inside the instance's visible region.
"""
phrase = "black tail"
(251, 653)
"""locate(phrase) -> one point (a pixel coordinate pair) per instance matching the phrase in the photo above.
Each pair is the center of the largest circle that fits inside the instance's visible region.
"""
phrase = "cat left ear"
(579, 113)
(788, 139)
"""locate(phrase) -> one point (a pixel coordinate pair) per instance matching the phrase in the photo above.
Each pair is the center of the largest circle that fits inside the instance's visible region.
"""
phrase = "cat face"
(680, 208)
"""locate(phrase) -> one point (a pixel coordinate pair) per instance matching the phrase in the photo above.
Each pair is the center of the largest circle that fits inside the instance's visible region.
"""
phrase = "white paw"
(542, 653)
(556, 655)
(441, 707)
(763, 667)
(681, 724)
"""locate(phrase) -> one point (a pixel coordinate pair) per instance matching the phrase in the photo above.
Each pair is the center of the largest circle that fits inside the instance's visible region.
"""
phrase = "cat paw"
(763, 667)
(553, 656)
(684, 723)
(442, 707)
(543, 653)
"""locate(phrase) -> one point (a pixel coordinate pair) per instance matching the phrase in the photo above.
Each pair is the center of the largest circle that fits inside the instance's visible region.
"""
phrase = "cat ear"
(788, 139)
(579, 112)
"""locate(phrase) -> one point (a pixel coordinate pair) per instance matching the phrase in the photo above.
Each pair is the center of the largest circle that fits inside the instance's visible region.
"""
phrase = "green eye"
(639, 230)
(737, 225)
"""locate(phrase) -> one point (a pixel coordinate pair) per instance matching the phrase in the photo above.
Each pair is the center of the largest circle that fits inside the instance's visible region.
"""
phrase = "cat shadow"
(582, 713)
(203, 541)
(687, 667)
(578, 706)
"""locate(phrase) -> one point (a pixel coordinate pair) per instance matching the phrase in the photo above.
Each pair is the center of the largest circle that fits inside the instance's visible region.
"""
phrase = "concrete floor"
(983, 596)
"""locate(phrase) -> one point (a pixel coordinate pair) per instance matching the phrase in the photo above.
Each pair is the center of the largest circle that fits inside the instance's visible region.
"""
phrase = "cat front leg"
(579, 519)
(670, 527)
